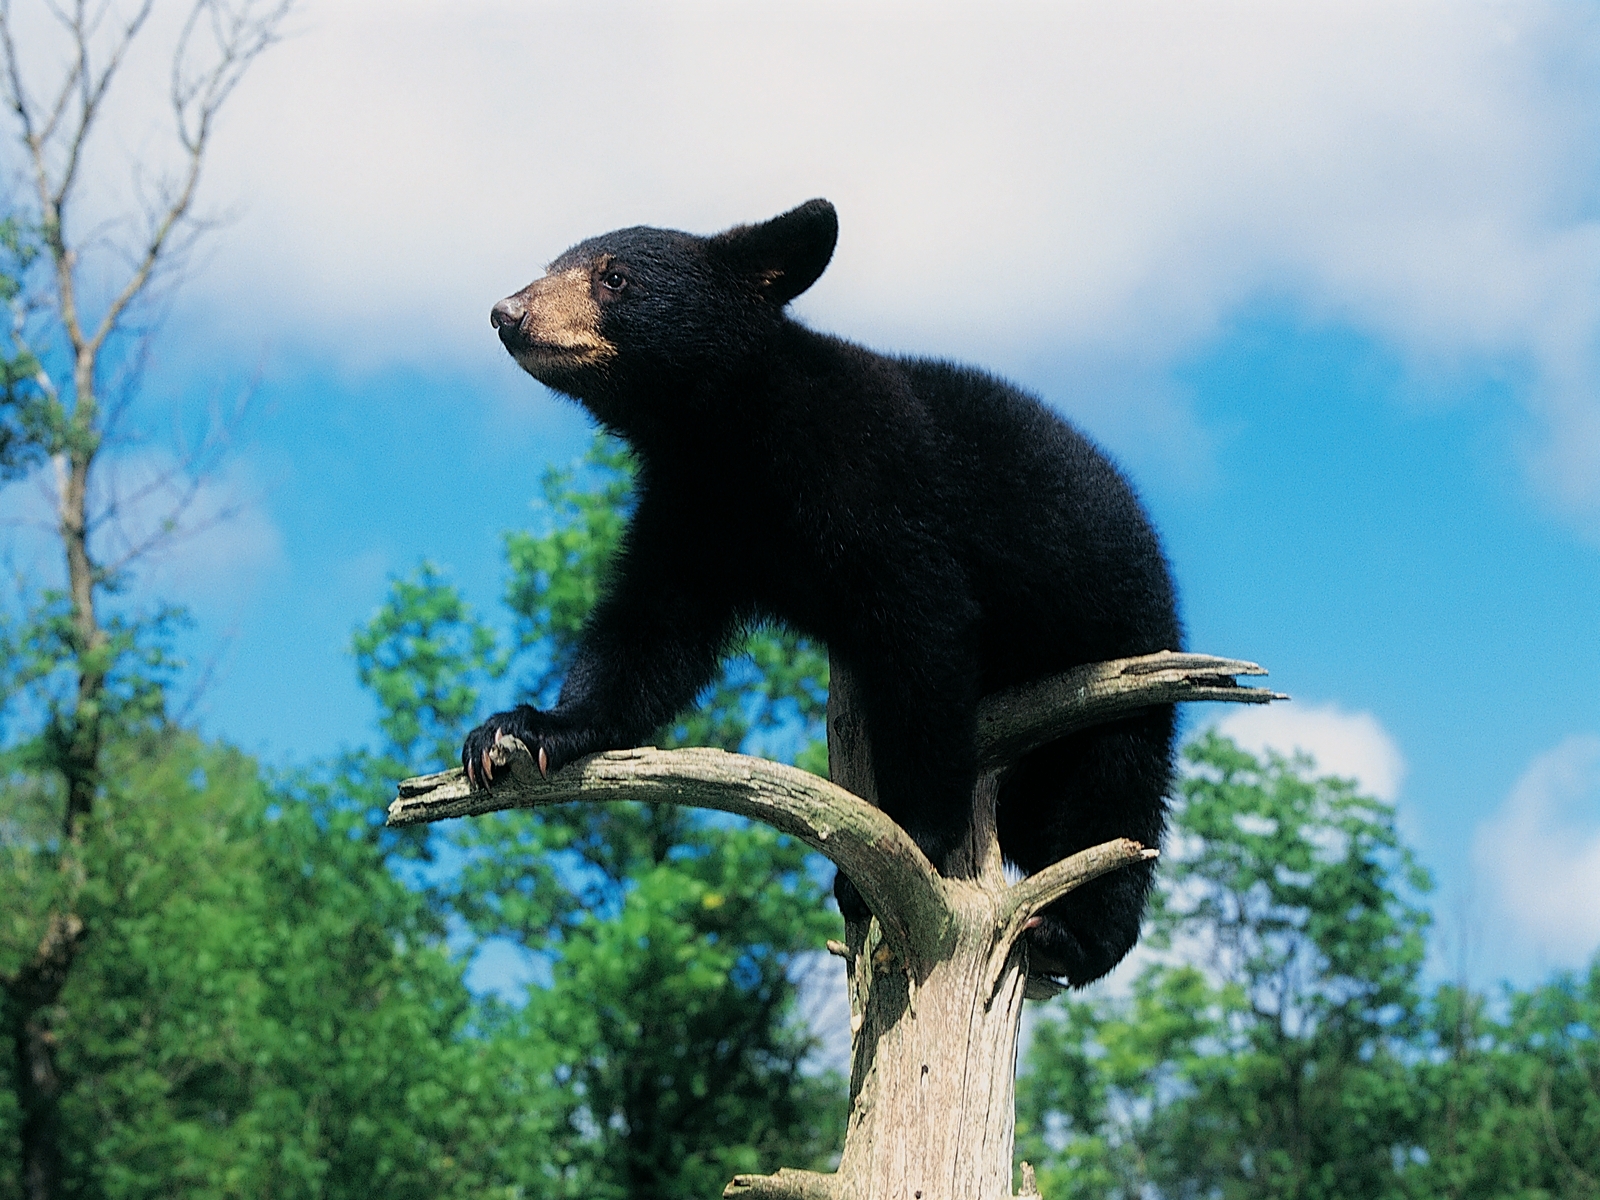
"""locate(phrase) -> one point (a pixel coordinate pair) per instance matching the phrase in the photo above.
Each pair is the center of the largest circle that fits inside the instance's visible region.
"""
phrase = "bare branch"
(786, 1184)
(92, 90)
(938, 981)
(180, 489)
(16, 94)
(1029, 897)
(239, 35)
(185, 713)
(175, 213)
(893, 875)
(240, 39)
(49, 209)
(1015, 721)
(171, 530)
(69, 85)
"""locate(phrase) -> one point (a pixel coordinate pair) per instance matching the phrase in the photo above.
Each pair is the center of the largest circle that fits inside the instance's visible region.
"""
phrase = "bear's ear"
(784, 256)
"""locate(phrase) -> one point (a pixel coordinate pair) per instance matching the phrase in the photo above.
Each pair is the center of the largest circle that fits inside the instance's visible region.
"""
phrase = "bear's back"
(1053, 536)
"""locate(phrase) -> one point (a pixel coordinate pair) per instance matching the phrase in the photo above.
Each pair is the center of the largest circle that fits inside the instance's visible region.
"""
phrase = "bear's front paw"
(549, 738)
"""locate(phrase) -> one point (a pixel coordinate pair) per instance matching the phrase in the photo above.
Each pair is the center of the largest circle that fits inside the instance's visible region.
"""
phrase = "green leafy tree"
(260, 1005)
(22, 415)
(425, 659)
(260, 1008)
(75, 283)
(1271, 1057)
(1510, 1093)
(673, 940)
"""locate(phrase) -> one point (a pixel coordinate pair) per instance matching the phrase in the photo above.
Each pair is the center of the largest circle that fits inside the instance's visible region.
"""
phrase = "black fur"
(941, 531)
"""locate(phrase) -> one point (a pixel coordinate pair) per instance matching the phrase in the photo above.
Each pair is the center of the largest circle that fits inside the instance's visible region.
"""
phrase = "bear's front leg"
(648, 648)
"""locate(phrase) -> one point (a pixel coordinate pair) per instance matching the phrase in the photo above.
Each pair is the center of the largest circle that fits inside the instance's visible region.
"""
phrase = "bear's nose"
(509, 311)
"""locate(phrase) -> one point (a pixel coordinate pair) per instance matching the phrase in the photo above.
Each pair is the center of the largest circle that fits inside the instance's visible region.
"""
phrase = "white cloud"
(1350, 745)
(1104, 180)
(222, 534)
(1540, 853)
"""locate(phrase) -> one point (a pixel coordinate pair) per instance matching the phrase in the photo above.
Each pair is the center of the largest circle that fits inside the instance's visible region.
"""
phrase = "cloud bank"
(1350, 745)
(1019, 182)
(1540, 853)
(1030, 183)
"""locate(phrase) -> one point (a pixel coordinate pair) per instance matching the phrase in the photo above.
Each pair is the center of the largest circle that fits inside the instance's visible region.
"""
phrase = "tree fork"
(938, 974)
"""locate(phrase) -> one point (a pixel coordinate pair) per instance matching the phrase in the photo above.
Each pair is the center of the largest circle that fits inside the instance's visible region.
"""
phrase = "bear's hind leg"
(1103, 783)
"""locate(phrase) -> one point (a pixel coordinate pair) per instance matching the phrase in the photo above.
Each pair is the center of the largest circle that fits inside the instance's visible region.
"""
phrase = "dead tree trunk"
(938, 975)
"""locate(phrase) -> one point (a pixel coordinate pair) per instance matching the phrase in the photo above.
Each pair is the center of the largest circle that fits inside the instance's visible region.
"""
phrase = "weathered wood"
(1012, 722)
(937, 976)
(894, 876)
(933, 1037)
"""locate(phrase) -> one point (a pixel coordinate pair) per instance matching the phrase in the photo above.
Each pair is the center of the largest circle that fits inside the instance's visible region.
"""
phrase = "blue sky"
(1324, 277)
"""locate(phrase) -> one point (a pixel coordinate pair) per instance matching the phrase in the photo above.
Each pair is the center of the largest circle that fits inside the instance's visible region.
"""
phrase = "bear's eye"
(614, 281)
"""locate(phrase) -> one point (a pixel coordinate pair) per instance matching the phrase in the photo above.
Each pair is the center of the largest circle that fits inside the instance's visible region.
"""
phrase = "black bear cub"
(945, 534)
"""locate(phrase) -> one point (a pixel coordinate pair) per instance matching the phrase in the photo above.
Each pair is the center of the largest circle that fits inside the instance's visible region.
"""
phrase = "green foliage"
(674, 938)
(260, 1008)
(675, 1019)
(555, 577)
(1279, 1067)
(1288, 1051)
(1511, 1093)
(134, 659)
(34, 423)
(425, 658)
(266, 1002)
(27, 412)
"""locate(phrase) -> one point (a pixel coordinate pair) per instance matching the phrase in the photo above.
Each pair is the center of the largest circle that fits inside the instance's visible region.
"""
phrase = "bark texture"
(938, 975)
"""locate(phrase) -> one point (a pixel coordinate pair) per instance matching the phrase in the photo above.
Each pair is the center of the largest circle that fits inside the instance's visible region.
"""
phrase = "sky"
(1323, 277)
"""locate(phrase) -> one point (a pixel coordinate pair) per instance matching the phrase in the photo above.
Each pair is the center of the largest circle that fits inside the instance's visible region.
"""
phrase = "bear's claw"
(548, 737)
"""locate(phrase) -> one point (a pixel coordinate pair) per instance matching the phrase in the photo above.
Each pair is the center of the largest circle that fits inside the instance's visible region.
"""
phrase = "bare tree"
(74, 357)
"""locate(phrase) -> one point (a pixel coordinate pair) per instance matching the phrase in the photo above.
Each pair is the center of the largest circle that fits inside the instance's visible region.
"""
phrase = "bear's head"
(656, 308)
